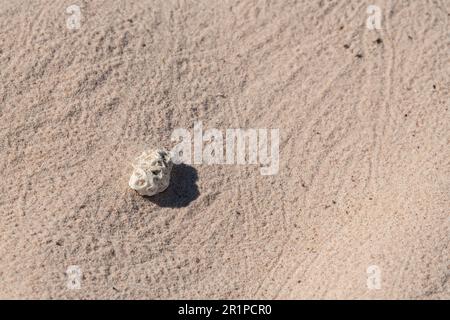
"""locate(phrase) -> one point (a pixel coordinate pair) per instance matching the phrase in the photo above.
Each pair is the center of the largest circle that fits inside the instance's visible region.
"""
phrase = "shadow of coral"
(182, 189)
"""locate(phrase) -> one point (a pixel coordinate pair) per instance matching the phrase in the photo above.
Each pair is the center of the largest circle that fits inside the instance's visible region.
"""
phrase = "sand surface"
(364, 149)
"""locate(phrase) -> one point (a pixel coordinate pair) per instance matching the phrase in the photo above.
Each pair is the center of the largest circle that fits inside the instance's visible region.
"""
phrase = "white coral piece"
(151, 174)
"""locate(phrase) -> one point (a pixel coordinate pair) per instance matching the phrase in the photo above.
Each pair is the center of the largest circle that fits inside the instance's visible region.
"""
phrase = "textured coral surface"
(151, 172)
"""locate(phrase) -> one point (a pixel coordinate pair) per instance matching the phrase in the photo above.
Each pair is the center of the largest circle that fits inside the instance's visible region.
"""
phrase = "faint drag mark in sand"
(382, 117)
(182, 189)
(322, 242)
(369, 86)
(315, 115)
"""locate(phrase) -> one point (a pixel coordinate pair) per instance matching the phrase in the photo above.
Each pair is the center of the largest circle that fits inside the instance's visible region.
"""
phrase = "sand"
(364, 149)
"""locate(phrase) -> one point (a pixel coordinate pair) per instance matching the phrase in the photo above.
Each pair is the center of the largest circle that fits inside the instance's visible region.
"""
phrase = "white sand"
(364, 149)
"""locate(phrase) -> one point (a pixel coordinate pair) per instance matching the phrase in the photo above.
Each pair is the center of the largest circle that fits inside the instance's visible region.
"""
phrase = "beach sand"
(363, 184)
